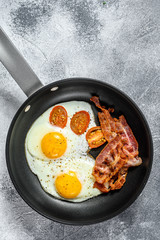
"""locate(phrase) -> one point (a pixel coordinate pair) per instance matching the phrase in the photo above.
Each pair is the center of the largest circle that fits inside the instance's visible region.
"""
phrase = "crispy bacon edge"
(121, 152)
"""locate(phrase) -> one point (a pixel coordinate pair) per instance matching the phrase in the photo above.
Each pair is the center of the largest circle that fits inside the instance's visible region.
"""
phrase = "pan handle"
(17, 66)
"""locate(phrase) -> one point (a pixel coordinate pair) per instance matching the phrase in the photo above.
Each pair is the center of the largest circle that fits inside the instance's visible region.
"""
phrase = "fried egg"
(73, 144)
(70, 180)
(59, 157)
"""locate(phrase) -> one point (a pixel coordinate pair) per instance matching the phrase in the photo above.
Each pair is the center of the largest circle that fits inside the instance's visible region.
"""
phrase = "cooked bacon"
(109, 162)
(115, 183)
(95, 99)
(134, 162)
(111, 146)
(107, 125)
(102, 187)
(119, 180)
(121, 152)
(116, 166)
(106, 121)
(128, 138)
(102, 168)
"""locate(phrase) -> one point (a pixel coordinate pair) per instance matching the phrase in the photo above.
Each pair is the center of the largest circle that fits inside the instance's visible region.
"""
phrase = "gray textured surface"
(118, 43)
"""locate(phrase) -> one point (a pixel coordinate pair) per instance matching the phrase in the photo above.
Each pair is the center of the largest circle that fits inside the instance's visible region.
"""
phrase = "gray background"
(118, 43)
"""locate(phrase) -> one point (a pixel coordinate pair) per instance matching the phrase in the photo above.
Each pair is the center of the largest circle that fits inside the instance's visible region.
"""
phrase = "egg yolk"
(53, 145)
(68, 185)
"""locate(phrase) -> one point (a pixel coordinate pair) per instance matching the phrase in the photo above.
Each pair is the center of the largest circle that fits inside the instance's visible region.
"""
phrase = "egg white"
(74, 159)
(48, 171)
(75, 143)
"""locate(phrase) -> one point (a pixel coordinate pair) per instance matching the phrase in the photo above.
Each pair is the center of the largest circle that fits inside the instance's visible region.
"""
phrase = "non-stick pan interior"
(27, 184)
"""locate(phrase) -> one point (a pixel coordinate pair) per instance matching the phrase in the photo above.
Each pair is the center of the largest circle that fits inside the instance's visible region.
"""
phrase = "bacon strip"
(102, 187)
(106, 121)
(121, 178)
(101, 170)
(96, 101)
(133, 162)
(107, 126)
(128, 138)
(121, 152)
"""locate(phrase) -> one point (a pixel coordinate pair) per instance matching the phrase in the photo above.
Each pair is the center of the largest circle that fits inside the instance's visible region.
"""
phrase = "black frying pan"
(96, 209)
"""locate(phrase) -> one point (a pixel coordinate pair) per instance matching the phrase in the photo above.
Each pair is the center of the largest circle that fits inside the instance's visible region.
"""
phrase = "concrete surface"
(117, 42)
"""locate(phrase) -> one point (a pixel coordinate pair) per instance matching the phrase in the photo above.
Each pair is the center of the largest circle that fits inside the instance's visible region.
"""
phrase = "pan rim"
(92, 221)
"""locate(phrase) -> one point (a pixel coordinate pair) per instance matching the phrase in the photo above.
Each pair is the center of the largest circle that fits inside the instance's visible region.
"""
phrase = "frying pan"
(98, 208)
